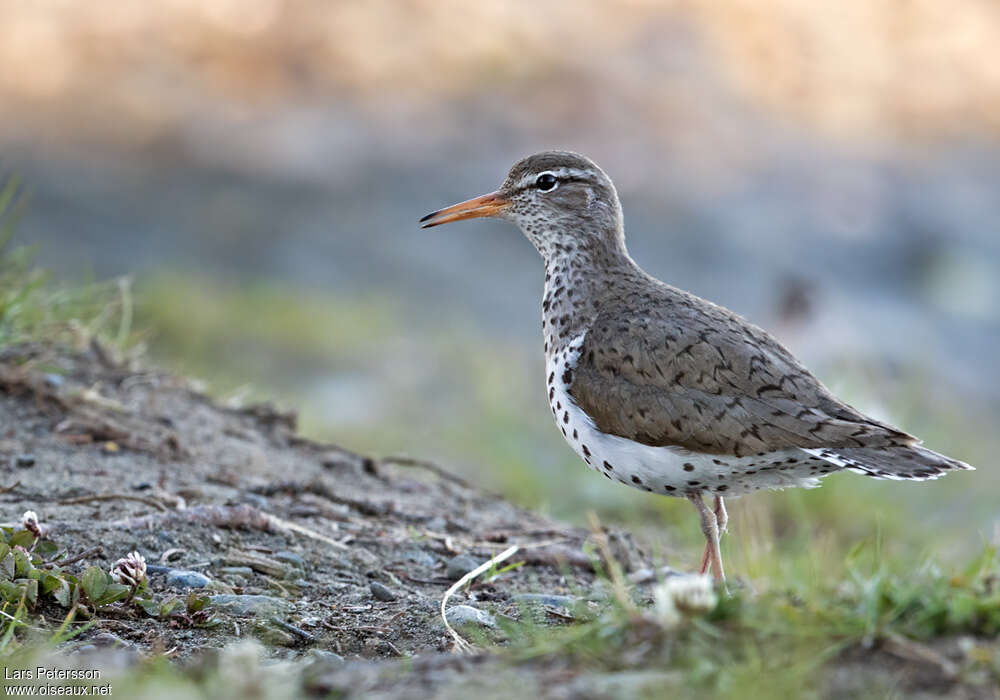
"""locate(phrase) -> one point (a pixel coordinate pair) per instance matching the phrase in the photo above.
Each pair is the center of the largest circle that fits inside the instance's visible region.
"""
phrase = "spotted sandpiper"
(662, 390)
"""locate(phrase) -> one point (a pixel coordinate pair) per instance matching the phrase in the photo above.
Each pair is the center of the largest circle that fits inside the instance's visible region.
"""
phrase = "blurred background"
(829, 170)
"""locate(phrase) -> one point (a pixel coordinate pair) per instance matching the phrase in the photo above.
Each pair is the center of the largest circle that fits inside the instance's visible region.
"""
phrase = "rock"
(322, 656)
(460, 565)
(545, 599)
(54, 380)
(236, 571)
(106, 639)
(421, 558)
(23, 461)
(275, 636)
(381, 592)
(290, 558)
(436, 524)
(249, 605)
(254, 499)
(649, 575)
(363, 559)
(183, 578)
(462, 615)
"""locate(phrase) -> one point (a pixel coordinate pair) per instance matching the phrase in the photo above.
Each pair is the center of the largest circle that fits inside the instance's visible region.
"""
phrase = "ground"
(355, 555)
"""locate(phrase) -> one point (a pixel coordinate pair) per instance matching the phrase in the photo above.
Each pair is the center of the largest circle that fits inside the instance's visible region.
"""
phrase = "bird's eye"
(546, 182)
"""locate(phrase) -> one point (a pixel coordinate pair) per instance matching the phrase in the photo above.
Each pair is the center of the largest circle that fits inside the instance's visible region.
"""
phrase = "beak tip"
(487, 205)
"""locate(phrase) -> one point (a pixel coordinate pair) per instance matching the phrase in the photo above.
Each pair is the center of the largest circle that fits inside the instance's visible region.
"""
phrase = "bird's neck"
(576, 280)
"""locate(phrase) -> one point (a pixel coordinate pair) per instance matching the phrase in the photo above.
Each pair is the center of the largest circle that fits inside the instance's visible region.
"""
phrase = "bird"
(662, 390)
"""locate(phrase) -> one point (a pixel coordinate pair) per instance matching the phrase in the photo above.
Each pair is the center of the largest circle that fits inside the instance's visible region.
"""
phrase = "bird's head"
(558, 199)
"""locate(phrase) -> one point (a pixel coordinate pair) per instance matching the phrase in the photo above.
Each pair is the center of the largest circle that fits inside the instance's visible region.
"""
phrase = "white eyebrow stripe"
(560, 173)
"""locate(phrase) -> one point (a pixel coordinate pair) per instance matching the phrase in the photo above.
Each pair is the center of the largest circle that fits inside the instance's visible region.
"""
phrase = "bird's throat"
(576, 279)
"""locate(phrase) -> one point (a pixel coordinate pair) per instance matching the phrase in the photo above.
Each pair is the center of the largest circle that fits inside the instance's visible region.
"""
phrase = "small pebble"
(437, 524)
(545, 599)
(24, 461)
(290, 558)
(325, 657)
(54, 380)
(183, 578)
(381, 591)
(254, 499)
(249, 605)
(459, 566)
(461, 615)
(236, 571)
(106, 639)
(649, 575)
(421, 558)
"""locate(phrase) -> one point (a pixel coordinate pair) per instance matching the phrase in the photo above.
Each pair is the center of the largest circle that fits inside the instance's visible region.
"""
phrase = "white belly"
(669, 470)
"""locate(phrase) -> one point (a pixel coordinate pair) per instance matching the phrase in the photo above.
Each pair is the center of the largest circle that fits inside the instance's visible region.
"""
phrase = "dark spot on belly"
(688, 467)
(552, 393)
(586, 451)
(694, 483)
(575, 436)
(567, 376)
(552, 375)
(566, 417)
(607, 465)
(723, 487)
(636, 480)
(668, 487)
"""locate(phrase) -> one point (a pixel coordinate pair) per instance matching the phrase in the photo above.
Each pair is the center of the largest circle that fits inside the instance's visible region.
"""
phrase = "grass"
(34, 307)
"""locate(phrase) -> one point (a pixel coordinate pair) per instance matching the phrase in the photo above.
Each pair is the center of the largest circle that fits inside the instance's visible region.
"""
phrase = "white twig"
(460, 643)
(280, 523)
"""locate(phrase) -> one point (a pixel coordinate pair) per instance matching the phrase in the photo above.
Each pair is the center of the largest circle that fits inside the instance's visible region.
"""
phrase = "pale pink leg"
(710, 528)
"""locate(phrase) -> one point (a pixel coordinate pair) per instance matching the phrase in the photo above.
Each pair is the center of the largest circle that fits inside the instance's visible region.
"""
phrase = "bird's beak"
(488, 205)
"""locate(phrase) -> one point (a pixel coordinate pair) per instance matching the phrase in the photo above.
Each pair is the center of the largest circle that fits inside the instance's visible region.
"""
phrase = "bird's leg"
(721, 518)
(710, 528)
(705, 557)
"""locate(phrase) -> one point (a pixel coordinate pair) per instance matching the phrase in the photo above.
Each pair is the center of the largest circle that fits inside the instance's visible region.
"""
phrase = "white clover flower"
(683, 595)
(130, 570)
(29, 521)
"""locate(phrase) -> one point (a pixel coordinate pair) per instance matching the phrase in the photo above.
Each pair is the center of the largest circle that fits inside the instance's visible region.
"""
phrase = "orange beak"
(488, 205)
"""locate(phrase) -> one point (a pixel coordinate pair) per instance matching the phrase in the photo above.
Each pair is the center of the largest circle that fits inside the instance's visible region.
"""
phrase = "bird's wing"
(686, 373)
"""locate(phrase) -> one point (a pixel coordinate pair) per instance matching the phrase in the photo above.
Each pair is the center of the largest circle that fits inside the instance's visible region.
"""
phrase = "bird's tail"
(899, 462)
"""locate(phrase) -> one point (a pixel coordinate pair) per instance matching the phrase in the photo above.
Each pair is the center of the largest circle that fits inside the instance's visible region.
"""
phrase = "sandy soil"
(196, 486)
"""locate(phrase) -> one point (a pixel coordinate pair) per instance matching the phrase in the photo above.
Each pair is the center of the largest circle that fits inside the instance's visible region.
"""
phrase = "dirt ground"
(196, 486)
(313, 550)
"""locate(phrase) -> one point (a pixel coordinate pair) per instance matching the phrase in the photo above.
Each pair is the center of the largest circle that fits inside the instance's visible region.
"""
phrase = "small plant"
(130, 571)
(28, 579)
